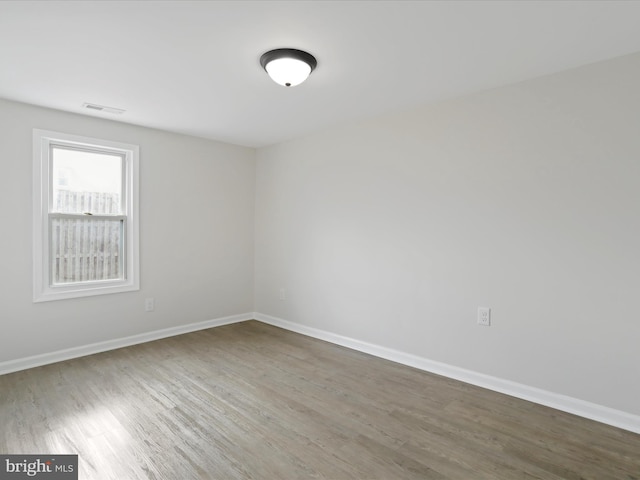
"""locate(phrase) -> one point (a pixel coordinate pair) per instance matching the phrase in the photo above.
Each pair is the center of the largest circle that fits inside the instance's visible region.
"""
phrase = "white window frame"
(43, 290)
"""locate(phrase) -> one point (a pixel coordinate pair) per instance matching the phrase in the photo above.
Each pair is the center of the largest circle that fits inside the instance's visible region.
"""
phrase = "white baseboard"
(75, 352)
(599, 413)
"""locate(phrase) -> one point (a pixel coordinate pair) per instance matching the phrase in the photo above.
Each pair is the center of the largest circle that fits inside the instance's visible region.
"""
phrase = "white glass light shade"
(288, 72)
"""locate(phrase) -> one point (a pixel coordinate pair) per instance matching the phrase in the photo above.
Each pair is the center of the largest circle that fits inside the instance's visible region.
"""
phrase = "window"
(85, 216)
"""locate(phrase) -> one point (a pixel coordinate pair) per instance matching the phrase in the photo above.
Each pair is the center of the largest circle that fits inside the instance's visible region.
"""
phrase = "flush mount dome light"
(287, 66)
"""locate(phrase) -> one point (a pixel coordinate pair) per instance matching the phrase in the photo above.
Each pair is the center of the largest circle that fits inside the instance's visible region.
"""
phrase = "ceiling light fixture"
(287, 66)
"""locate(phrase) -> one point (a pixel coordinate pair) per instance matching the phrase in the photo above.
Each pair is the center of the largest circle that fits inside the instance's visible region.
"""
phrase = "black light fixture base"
(288, 53)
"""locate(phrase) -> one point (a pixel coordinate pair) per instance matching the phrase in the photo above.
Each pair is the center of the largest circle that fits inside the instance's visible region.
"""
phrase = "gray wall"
(196, 236)
(524, 199)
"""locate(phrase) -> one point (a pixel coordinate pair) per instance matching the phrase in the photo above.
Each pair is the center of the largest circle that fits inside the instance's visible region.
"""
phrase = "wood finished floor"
(251, 401)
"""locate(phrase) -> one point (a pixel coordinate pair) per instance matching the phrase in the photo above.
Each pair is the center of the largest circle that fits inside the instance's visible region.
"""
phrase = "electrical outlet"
(149, 304)
(484, 316)
(283, 294)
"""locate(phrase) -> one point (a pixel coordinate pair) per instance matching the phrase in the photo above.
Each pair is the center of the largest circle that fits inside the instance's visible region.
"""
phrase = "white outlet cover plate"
(149, 304)
(484, 316)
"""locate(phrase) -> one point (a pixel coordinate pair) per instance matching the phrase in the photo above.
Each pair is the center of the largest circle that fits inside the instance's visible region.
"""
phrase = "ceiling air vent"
(102, 108)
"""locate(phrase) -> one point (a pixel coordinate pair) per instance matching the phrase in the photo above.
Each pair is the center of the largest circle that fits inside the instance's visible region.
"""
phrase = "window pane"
(86, 250)
(86, 182)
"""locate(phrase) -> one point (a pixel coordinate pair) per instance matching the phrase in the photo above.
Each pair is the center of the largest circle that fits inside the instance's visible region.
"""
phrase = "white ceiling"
(193, 67)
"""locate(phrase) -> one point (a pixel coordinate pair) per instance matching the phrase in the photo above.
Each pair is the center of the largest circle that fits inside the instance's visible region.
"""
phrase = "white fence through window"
(86, 248)
(68, 201)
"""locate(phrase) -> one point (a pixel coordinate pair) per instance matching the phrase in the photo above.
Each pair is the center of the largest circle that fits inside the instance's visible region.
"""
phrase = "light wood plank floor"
(251, 401)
